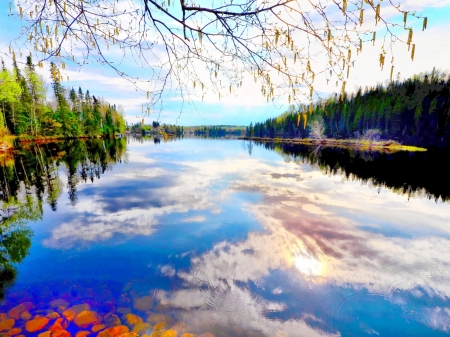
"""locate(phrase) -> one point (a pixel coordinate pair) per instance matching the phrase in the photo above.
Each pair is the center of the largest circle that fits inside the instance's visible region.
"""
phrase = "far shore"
(356, 144)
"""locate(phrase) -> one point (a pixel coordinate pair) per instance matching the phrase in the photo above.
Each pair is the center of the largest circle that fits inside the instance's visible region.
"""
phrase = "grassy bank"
(357, 144)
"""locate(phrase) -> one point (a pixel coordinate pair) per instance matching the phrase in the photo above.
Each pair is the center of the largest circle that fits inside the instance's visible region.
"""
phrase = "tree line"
(25, 111)
(415, 111)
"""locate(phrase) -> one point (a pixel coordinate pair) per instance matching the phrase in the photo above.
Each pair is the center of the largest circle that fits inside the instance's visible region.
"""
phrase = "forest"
(26, 112)
(415, 111)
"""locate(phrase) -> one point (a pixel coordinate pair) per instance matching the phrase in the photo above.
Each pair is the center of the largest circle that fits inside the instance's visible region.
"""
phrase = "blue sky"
(243, 107)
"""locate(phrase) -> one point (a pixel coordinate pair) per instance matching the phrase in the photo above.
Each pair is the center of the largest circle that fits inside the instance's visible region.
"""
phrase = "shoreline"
(361, 145)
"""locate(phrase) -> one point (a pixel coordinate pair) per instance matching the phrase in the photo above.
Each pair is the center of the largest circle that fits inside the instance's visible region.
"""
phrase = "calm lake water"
(223, 237)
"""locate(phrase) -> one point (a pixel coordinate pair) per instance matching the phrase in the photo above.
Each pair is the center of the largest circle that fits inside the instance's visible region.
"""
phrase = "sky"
(246, 104)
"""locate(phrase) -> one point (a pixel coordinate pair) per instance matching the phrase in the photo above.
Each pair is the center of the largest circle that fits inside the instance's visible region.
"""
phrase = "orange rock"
(59, 324)
(59, 303)
(169, 333)
(17, 310)
(45, 334)
(82, 333)
(25, 315)
(2, 316)
(98, 327)
(7, 324)
(36, 324)
(61, 333)
(80, 307)
(156, 334)
(14, 331)
(20, 336)
(159, 326)
(86, 318)
(69, 314)
(114, 331)
(133, 319)
(144, 303)
(189, 335)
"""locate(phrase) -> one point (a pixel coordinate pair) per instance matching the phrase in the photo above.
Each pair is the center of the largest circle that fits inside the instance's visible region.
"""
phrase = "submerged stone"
(207, 334)
(140, 327)
(133, 319)
(45, 334)
(114, 332)
(14, 331)
(59, 324)
(19, 309)
(98, 327)
(144, 303)
(111, 320)
(169, 333)
(82, 333)
(155, 318)
(53, 315)
(69, 314)
(61, 333)
(80, 307)
(25, 315)
(36, 324)
(86, 318)
(159, 326)
(189, 335)
(7, 324)
(59, 303)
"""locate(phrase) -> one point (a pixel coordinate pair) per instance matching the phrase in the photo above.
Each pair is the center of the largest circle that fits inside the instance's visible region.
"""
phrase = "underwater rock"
(7, 324)
(155, 318)
(189, 335)
(144, 303)
(132, 319)
(86, 318)
(82, 333)
(159, 326)
(25, 315)
(123, 311)
(207, 334)
(59, 324)
(36, 324)
(14, 331)
(17, 310)
(59, 303)
(45, 334)
(53, 315)
(111, 320)
(162, 307)
(69, 314)
(140, 327)
(80, 307)
(114, 332)
(98, 327)
(61, 333)
(169, 333)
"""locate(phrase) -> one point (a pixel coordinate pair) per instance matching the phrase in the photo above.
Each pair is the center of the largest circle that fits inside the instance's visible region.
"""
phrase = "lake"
(219, 237)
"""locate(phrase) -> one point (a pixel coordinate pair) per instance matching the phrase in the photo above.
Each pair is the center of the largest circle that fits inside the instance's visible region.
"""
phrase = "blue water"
(240, 245)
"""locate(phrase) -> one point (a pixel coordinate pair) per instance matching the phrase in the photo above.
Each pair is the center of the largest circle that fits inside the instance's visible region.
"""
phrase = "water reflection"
(214, 240)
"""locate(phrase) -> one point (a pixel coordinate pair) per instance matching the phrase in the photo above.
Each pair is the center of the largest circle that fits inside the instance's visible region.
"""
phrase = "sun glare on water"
(308, 265)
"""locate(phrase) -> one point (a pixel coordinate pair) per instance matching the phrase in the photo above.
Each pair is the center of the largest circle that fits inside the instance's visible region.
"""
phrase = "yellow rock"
(86, 318)
(98, 327)
(7, 324)
(82, 333)
(156, 334)
(189, 335)
(169, 333)
(36, 324)
(159, 326)
(144, 303)
(133, 319)
(138, 328)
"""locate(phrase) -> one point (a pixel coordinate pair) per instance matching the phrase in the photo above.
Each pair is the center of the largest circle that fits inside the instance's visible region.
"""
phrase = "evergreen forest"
(26, 112)
(415, 111)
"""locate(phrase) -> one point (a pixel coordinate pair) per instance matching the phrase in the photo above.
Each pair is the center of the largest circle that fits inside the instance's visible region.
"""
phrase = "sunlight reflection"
(308, 265)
